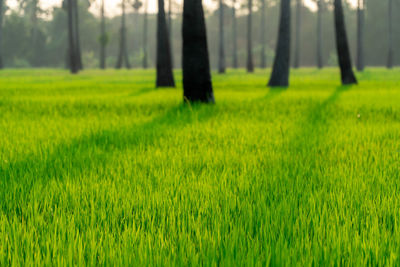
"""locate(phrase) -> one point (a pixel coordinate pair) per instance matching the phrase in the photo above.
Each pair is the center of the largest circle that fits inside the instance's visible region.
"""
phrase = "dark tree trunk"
(144, 62)
(296, 63)
(250, 66)
(165, 77)
(77, 35)
(342, 46)
(320, 61)
(103, 38)
(221, 55)
(73, 60)
(1, 34)
(263, 63)
(280, 70)
(234, 36)
(390, 35)
(171, 39)
(197, 84)
(360, 36)
(123, 52)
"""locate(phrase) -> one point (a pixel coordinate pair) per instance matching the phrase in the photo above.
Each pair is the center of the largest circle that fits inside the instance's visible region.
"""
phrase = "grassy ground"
(101, 168)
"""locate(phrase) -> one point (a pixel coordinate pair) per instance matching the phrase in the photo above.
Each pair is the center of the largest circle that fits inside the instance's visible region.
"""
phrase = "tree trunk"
(390, 35)
(221, 55)
(197, 84)
(171, 39)
(343, 46)
(123, 52)
(320, 61)
(280, 70)
(77, 34)
(103, 38)
(296, 63)
(250, 66)
(263, 63)
(1, 34)
(165, 76)
(73, 61)
(234, 36)
(360, 36)
(144, 62)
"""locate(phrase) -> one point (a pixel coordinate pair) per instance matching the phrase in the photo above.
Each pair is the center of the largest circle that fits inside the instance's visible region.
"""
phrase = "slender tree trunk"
(103, 38)
(1, 34)
(35, 57)
(171, 39)
(77, 35)
(73, 64)
(280, 70)
(360, 36)
(296, 63)
(221, 56)
(320, 61)
(390, 35)
(123, 52)
(263, 63)
(250, 66)
(165, 77)
(342, 46)
(234, 36)
(197, 85)
(144, 62)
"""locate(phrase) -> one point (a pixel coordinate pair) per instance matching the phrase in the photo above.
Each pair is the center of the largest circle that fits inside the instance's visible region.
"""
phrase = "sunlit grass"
(102, 168)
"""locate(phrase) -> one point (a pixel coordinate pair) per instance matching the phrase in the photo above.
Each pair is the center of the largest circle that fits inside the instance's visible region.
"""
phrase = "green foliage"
(102, 169)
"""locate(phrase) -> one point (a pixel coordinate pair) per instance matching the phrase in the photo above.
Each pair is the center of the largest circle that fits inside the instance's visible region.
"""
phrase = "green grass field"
(103, 169)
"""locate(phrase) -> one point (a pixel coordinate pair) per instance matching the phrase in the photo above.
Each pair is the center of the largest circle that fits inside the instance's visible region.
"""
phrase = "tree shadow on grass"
(88, 152)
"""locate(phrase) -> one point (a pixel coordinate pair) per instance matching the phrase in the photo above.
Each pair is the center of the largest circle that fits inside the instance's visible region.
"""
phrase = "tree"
(263, 58)
(296, 63)
(234, 36)
(221, 55)
(197, 86)
(1, 33)
(320, 61)
(250, 65)
(390, 36)
(360, 35)
(77, 34)
(280, 70)
(342, 46)
(73, 58)
(165, 76)
(145, 21)
(123, 50)
(103, 37)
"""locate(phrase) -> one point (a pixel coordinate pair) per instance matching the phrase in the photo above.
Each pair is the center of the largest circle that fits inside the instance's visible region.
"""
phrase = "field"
(103, 169)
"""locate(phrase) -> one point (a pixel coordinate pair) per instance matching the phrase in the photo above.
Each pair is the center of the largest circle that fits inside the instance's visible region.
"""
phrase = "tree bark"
(165, 76)
(342, 46)
(360, 35)
(144, 62)
(171, 39)
(263, 63)
(197, 84)
(103, 38)
(234, 36)
(73, 61)
(390, 36)
(123, 52)
(221, 55)
(280, 70)
(296, 63)
(77, 34)
(1, 34)
(250, 66)
(320, 61)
